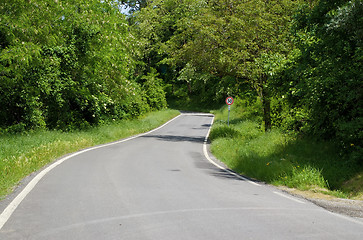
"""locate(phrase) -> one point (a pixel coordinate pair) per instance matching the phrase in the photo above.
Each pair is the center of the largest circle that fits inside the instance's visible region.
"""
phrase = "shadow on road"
(202, 163)
(199, 158)
(172, 138)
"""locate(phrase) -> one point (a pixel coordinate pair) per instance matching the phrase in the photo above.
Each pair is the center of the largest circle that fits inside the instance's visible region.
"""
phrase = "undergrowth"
(278, 157)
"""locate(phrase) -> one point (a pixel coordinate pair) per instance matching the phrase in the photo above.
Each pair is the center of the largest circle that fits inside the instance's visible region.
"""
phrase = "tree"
(65, 64)
(234, 38)
(329, 60)
(134, 5)
(153, 27)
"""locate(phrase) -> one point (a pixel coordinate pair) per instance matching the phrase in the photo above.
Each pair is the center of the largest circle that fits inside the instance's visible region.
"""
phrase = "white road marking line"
(288, 197)
(6, 214)
(350, 219)
(205, 151)
(9, 210)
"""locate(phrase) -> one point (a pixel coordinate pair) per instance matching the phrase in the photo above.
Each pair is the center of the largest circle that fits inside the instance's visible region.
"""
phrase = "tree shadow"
(173, 138)
(298, 157)
(201, 163)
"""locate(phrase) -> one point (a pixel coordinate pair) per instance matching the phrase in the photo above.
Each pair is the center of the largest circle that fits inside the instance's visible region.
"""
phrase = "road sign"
(229, 101)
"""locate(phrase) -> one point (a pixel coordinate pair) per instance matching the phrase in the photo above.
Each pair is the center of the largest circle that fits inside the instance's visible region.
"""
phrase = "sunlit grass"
(23, 154)
(278, 157)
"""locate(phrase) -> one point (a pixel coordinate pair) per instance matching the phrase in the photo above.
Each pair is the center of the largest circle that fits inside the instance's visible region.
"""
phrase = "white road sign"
(229, 101)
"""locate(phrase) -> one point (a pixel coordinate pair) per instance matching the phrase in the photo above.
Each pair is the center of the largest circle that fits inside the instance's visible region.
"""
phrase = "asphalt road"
(162, 186)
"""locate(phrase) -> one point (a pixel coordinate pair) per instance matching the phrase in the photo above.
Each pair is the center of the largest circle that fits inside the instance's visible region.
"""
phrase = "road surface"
(162, 186)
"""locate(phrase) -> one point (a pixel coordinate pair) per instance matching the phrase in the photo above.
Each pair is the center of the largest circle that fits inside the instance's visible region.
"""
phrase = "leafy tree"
(65, 64)
(324, 76)
(204, 43)
(154, 92)
(234, 38)
(154, 26)
(134, 5)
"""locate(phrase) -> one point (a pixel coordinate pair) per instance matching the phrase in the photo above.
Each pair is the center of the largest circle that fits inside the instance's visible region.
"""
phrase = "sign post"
(229, 101)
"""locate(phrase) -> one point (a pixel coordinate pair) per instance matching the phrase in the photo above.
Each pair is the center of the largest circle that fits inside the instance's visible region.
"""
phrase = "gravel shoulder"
(348, 207)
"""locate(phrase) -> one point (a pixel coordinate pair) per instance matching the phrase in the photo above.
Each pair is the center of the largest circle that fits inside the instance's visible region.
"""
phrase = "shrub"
(153, 90)
(223, 132)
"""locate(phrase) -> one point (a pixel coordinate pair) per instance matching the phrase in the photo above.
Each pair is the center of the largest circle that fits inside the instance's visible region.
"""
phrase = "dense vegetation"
(282, 158)
(67, 64)
(73, 64)
(302, 59)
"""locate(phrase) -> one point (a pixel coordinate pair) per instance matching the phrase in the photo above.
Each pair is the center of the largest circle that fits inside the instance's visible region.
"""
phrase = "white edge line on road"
(8, 211)
(205, 151)
(348, 218)
(288, 197)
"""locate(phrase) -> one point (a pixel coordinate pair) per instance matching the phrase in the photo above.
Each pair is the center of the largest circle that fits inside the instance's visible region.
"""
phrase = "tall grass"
(25, 153)
(279, 157)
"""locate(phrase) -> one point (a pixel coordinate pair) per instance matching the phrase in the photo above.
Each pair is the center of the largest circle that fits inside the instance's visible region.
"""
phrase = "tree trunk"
(266, 103)
(189, 87)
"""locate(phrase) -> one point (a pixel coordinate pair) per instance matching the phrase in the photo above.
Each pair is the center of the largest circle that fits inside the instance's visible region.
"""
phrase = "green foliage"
(154, 92)
(223, 132)
(295, 65)
(66, 65)
(277, 157)
(320, 85)
(227, 37)
(246, 110)
(134, 5)
(289, 118)
(213, 49)
(207, 87)
(305, 179)
(304, 67)
(303, 58)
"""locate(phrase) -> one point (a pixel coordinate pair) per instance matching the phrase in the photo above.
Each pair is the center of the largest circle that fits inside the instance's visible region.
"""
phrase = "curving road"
(161, 186)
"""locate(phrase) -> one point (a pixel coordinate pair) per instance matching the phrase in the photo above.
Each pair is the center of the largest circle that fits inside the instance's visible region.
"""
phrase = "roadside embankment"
(283, 158)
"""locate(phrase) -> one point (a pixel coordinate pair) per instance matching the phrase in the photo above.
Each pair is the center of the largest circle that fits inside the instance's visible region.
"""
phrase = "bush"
(68, 72)
(153, 90)
(223, 132)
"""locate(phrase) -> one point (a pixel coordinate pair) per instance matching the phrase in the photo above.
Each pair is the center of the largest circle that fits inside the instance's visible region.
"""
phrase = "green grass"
(281, 158)
(25, 153)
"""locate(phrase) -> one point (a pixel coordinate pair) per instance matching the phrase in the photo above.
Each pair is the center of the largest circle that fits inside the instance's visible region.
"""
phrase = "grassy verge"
(281, 158)
(23, 154)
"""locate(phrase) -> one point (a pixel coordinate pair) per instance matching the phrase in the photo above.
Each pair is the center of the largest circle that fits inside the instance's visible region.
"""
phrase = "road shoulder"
(348, 207)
